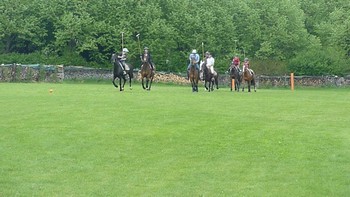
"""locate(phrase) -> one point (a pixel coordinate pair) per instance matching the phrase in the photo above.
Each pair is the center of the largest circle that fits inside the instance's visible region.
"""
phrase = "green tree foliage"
(271, 33)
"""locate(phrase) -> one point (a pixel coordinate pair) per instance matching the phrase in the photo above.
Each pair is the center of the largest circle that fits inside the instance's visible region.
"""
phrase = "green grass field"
(92, 140)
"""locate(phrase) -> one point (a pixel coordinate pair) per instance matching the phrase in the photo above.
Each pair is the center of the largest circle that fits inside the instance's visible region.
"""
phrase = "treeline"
(308, 37)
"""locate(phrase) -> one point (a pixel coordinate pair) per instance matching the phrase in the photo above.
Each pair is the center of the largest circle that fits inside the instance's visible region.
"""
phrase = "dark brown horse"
(118, 73)
(209, 79)
(236, 75)
(194, 76)
(249, 78)
(146, 73)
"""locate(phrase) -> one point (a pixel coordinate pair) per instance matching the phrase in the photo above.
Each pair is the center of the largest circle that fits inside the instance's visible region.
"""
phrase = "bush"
(319, 61)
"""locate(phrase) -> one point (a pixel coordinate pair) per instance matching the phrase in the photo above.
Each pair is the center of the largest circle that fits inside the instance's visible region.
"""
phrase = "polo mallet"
(122, 40)
(138, 38)
(203, 50)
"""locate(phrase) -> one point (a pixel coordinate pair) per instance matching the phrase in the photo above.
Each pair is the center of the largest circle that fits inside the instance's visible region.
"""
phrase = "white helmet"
(125, 50)
(194, 51)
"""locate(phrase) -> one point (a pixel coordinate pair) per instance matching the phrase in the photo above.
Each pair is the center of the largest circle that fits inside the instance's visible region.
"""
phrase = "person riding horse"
(149, 57)
(236, 62)
(121, 58)
(194, 59)
(248, 75)
(210, 63)
(246, 65)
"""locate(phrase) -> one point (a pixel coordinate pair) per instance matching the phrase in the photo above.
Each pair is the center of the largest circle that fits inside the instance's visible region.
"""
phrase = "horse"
(248, 76)
(209, 78)
(194, 76)
(236, 75)
(118, 72)
(146, 72)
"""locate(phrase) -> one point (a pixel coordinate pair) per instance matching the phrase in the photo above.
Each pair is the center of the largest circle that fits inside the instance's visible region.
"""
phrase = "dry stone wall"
(56, 73)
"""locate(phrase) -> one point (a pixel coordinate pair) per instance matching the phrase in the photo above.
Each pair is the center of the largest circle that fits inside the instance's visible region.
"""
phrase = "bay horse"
(209, 78)
(146, 73)
(194, 76)
(118, 73)
(236, 75)
(249, 78)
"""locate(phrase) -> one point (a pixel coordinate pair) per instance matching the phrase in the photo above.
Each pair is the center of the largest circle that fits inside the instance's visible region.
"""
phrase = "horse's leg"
(238, 85)
(253, 82)
(212, 83)
(209, 85)
(113, 81)
(150, 83)
(130, 81)
(124, 80)
(243, 82)
(143, 85)
(249, 83)
(120, 84)
(147, 80)
(192, 84)
(205, 85)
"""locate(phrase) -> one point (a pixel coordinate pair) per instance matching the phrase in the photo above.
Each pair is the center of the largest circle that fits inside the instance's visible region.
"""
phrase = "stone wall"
(50, 73)
(31, 73)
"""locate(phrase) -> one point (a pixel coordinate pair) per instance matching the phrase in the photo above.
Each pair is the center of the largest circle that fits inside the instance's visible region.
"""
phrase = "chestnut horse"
(194, 75)
(248, 77)
(146, 73)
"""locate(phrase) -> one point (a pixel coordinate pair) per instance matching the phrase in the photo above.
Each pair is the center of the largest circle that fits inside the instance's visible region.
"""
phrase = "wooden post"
(292, 81)
(232, 84)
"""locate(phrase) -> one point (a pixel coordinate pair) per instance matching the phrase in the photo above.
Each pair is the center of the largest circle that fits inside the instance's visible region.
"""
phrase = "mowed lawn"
(92, 140)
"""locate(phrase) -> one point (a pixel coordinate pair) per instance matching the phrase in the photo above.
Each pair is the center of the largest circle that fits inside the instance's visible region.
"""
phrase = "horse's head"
(234, 70)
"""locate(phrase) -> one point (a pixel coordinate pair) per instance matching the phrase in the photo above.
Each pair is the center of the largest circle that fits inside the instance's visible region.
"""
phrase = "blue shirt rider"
(195, 57)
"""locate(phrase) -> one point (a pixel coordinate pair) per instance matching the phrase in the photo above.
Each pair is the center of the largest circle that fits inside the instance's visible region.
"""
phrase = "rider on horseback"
(210, 62)
(122, 58)
(195, 58)
(236, 62)
(246, 62)
(149, 59)
(246, 65)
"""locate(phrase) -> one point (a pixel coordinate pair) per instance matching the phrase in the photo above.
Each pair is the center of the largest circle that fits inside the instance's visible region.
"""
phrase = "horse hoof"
(130, 88)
